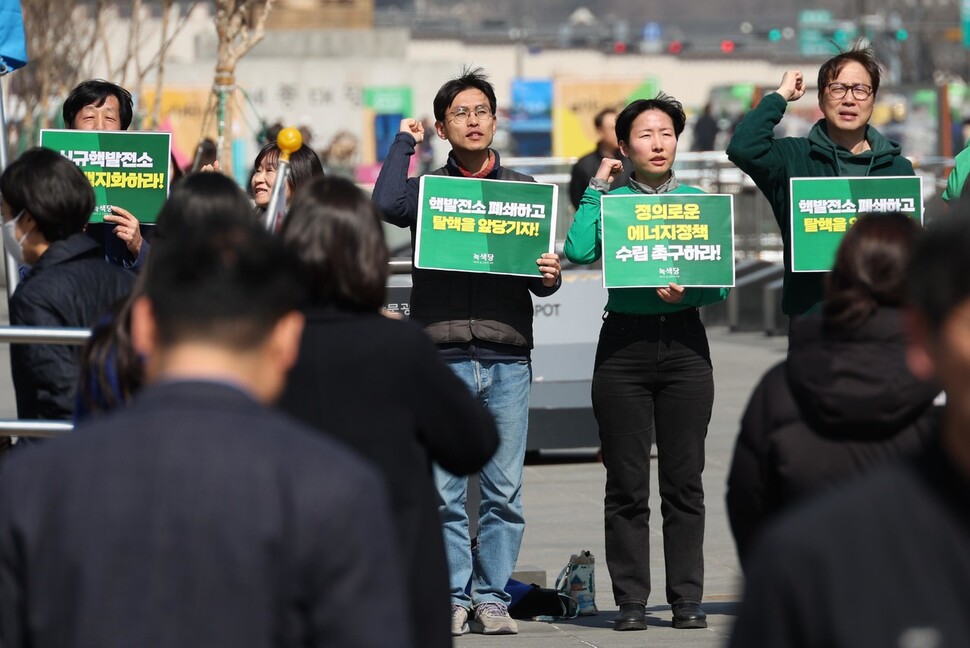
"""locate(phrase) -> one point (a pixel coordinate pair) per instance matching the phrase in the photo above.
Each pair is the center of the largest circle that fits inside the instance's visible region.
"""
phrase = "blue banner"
(13, 45)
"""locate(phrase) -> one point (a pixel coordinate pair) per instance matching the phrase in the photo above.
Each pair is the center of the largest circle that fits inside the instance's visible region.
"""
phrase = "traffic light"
(675, 47)
(727, 46)
(619, 47)
(902, 34)
(774, 35)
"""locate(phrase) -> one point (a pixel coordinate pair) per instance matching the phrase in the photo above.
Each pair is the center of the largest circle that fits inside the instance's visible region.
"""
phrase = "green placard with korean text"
(495, 226)
(651, 240)
(129, 169)
(823, 209)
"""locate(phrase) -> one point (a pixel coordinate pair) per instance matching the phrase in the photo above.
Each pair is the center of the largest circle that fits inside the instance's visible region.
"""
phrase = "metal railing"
(39, 335)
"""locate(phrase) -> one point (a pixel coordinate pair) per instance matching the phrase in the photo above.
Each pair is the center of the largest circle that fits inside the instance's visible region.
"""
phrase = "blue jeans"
(503, 388)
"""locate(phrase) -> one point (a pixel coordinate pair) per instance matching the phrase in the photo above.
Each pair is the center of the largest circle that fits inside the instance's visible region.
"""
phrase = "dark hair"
(97, 91)
(833, 67)
(870, 269)
(198, 197)
(938, 280)
(304, 163)
(221, 279)
(111, 369)
(601, 115)
(474, 79)
(52, 188)
(662, 102)
(335, 232)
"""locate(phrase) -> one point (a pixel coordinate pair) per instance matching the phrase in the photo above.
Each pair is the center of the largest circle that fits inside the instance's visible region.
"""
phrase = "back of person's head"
(469, 79)
(870, 269)
(304, 163)
(938, 280)
(52, 189)
(830, 70)
(201, 197)
(220, 279)
(662, 102)
(335, 232)
(97, 91)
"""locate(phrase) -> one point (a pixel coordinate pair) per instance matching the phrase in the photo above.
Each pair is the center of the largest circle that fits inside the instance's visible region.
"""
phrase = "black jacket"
(836, 407)
(457, 307)
(71, 285)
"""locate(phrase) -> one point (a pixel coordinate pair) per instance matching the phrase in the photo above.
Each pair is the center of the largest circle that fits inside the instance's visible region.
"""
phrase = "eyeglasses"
(860, 91)
(461, 114)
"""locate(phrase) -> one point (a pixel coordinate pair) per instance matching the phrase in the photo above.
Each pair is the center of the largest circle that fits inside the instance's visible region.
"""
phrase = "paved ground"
(564, 508)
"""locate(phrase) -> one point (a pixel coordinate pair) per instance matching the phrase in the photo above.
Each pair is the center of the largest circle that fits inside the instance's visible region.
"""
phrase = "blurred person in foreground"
(98, 105)
(842, 143)
(844, 401)
(482, 325)
(111, 371)
(380, 386)
(46, 204)
(885, 560)
(198, 516)
(606, 147)
(652, 376)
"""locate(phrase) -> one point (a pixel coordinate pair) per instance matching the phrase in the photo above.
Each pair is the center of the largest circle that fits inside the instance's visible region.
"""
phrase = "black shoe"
(688, 615)
(632, 616)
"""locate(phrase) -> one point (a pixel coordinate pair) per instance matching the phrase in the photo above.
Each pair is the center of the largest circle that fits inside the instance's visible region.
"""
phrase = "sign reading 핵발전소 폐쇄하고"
(823, 209)
(493, 226)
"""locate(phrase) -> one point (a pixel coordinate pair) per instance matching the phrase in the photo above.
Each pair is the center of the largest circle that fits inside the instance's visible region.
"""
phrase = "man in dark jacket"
(46, 203)
(606, 147)
(198, 516)
(840, 144)
(885, 561)
(482, 324)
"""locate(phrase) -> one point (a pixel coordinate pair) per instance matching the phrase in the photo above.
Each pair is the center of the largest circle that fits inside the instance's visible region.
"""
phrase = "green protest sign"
(127, 169)
(650, 240)
(495, 226)
(823, 209)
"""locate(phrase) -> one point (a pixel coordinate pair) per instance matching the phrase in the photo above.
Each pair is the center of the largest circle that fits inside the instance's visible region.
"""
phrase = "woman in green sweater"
(652, 373)
(842, 143)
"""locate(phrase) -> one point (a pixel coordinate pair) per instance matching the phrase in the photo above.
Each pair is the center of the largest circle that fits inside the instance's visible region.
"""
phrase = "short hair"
(335, 231)
(938, 280)
(870, 269)
(601, 115)
(304, 163)
(662, 102)
(52, 188)
(217, 277)
(833, 67)
(474, 79)
(97, 91)
(200, 196)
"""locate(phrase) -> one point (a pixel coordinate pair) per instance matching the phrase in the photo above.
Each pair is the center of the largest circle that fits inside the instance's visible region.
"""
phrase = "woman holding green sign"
(841, 144)
(652, 374)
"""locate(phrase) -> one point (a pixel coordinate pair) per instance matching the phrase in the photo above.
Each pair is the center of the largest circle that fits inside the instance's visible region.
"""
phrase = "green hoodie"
(772, 162)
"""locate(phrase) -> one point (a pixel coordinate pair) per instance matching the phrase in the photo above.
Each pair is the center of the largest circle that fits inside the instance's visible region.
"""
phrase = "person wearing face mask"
(842, 143)
(46, 204)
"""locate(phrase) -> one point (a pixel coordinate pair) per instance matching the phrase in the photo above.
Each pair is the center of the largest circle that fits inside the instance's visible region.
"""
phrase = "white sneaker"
(493, 619)
(459, 620)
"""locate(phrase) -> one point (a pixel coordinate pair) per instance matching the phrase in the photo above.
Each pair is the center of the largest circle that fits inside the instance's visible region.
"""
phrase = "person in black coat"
(607, 146)
(46, 204)
(198, 516)
(844, 400)
(379, 385)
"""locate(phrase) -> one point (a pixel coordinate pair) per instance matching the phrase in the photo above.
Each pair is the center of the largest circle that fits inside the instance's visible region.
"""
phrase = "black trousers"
(653, 374)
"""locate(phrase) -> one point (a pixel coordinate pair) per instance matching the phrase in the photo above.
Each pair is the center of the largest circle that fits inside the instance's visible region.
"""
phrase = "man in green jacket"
(842, 143)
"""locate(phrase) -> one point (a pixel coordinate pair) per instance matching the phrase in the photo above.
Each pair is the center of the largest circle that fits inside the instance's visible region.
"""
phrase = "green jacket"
(583, 246)
(772, 163)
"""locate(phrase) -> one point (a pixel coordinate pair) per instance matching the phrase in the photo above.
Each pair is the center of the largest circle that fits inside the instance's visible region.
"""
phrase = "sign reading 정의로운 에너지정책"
(651, 240)
(823, 209)
(494, 226)
(129, 169)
